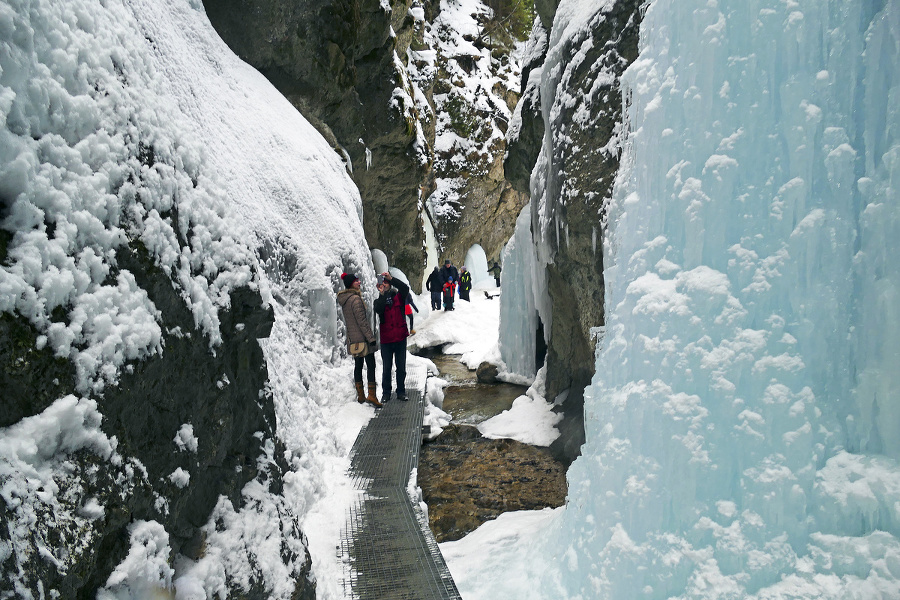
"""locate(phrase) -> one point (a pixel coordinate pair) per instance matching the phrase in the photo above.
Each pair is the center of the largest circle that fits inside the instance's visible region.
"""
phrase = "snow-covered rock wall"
(414, 95)
(469, 66)
(163, 207)
(342, 64)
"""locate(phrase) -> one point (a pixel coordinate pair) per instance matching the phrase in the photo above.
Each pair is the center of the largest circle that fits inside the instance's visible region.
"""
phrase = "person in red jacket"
(390, 306)
(449, 291)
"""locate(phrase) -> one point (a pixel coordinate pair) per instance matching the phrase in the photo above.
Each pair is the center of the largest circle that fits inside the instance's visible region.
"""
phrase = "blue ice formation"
(743, 425)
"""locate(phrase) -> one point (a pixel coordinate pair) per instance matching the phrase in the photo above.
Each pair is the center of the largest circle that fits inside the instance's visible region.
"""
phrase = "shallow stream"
(470, 402)
(467, 479)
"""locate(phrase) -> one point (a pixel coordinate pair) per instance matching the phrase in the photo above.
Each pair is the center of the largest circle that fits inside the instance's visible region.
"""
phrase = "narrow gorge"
(693, 205)
(434, 109)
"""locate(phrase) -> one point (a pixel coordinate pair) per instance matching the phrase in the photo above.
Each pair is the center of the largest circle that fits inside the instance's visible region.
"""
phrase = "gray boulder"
(487, 373)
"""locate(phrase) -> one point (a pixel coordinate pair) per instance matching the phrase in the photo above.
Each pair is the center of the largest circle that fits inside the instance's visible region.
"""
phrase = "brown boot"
(371, 398)
(360, 394)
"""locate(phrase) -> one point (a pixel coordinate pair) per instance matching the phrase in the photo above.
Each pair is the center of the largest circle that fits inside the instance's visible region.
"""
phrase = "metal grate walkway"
(387, 548)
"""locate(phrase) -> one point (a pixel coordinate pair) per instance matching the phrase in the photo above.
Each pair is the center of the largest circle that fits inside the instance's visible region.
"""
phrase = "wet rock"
(467, 480)
(487, 372)
(546, 9)
(31, 378)
(524, 141)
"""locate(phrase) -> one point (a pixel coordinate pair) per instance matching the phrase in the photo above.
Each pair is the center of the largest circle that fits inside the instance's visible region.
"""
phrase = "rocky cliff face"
(186, 415)
(341, 63)
(574, 109)
(474, 90)
(381, 88)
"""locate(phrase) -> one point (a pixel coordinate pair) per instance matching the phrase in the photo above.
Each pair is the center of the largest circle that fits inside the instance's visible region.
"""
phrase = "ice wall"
(380, 260)
(742, 425)
(477, 265)
(524, 290)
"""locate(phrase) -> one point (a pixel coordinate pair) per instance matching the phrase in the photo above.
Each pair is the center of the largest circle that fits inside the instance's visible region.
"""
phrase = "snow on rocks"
(94, 158)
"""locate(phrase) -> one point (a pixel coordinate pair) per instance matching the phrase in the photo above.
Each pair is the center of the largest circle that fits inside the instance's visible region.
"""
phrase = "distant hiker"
(465, 284)
(390, 308)
(496, 271)
(433, 284)
(360, 339)
(448, 271)
(449, 291)
(410, 306)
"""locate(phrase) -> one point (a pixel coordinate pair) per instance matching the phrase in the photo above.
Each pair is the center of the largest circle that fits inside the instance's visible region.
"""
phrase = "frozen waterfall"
(743, 427)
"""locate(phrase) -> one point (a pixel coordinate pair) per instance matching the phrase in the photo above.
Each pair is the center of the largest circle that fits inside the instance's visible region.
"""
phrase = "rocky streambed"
(467, 479)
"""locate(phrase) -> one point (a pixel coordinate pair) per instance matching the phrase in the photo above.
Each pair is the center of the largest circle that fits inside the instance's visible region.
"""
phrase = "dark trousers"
(358, 366)
(436, 300)
(393, 352)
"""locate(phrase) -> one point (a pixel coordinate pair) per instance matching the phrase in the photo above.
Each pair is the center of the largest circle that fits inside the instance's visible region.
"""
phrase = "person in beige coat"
(359, 330)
